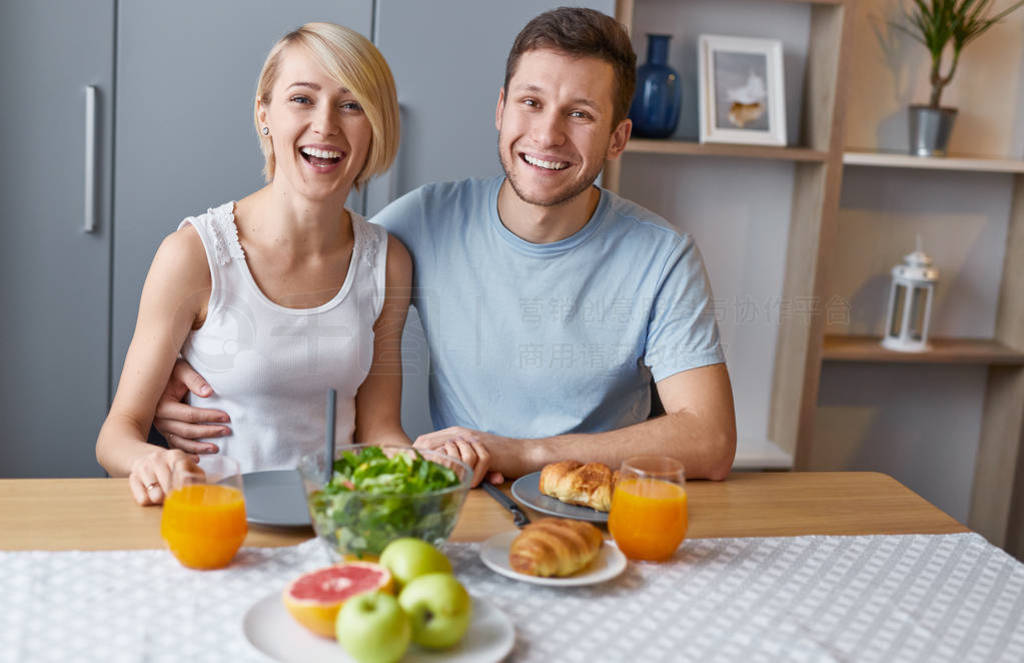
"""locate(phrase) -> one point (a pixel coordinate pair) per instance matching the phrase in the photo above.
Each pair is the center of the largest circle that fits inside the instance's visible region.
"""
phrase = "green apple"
(373, 628)
(439, 608)
(408, 558)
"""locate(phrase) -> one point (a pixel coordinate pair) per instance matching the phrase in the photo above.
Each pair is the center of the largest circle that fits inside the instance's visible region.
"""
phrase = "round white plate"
(526, 489)
(609, 563)
(276, 498)
(270, 629)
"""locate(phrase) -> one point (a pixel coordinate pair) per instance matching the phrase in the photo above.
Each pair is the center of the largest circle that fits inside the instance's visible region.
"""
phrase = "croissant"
(554, 547)
(575, 483)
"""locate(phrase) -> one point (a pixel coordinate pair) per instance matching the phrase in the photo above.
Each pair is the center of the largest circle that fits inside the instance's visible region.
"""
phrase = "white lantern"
(910, 303)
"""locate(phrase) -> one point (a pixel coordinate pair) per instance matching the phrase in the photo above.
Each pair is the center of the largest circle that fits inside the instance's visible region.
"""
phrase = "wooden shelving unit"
(997, 499)
(944, 351)
(997, 490)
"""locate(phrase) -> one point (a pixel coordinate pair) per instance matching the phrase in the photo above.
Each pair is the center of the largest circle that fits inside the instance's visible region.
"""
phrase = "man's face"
(555, 126)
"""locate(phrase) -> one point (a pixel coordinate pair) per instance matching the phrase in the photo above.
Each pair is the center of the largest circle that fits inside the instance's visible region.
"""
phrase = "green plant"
(938, 23)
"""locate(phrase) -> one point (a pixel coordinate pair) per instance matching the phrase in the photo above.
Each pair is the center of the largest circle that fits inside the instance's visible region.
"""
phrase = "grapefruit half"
(315, 598)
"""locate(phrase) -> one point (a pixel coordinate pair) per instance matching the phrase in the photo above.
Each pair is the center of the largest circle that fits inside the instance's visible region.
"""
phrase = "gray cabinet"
(54, 274)
(185, 81)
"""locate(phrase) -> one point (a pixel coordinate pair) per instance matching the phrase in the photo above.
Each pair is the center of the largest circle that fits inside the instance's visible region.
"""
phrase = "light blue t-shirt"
(533, 340)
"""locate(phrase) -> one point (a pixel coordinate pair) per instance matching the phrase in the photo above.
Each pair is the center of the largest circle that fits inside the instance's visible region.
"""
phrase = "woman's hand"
(183, 425)
(150, 477)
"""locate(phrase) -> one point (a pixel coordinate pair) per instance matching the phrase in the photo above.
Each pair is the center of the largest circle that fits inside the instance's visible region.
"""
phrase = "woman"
(285, 293)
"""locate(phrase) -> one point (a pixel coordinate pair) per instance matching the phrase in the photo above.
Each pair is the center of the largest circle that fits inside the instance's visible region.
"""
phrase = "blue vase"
(659, 93)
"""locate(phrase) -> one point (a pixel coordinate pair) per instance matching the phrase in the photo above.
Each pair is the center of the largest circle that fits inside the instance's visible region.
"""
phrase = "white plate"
(526, 489)
(276, 498)
(609, 563)
(270, 629)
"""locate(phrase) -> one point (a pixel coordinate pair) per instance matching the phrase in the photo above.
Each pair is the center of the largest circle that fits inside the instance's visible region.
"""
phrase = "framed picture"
(742, 98)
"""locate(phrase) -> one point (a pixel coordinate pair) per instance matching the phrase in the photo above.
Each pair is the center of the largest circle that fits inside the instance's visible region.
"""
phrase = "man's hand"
(699, 429)
(467, 445)
(182, 424)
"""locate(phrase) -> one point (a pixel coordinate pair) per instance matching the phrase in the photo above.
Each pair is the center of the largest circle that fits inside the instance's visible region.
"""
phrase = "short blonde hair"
(354, 63)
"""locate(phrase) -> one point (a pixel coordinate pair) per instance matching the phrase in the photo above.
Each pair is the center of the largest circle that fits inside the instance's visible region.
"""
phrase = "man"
(549, 304)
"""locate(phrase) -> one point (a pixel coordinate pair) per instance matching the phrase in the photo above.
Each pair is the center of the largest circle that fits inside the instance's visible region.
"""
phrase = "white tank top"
(269, 365)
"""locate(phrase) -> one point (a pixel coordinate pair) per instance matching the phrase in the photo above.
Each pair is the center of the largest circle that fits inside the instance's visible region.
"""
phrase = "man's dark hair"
(582, 33)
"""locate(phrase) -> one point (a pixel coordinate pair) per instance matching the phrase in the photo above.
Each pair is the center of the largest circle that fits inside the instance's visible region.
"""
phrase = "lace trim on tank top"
(371, 240)
(226, 246)
(360, 242)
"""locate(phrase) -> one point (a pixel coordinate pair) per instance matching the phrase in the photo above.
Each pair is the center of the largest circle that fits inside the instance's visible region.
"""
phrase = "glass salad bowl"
(378, 494)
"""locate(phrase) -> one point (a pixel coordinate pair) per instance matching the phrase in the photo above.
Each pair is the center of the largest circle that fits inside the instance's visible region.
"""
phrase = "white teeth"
(321, 154)
(550, 165)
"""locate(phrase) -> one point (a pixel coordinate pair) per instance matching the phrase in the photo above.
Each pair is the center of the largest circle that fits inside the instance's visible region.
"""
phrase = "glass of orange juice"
(203, 519)
(648, 516)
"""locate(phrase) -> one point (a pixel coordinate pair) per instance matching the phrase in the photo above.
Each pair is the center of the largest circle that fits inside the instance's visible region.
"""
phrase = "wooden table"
(99, 514)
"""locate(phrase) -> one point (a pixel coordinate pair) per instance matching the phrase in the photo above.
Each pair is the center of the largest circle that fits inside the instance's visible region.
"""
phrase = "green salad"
(372, 499)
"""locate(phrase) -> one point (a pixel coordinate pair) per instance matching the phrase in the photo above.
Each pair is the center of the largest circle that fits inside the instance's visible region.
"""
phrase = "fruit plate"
(526, 489)
(609, 563)
(270, 629)
(275, 498)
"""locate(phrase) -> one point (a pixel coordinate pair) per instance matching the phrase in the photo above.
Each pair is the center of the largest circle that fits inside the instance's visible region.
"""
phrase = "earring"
(266, 131)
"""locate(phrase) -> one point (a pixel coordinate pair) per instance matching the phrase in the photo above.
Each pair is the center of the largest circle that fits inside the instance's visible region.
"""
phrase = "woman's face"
(321, 136)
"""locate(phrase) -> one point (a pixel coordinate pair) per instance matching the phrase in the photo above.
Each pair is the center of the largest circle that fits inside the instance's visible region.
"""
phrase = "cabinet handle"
(89, 224)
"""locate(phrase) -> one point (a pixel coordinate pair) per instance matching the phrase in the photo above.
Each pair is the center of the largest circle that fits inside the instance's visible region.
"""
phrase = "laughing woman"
(285, 293)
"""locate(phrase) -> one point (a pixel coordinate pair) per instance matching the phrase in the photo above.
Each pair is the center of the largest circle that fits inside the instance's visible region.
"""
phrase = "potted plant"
(938, 24)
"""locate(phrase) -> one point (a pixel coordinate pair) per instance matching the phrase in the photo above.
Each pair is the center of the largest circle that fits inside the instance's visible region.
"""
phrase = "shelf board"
(944, 351)
(814, 2)
(965, 162)
(758, 454)
(689, 148)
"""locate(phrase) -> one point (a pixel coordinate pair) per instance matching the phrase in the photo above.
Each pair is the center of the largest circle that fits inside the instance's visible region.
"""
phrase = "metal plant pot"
(930, 129)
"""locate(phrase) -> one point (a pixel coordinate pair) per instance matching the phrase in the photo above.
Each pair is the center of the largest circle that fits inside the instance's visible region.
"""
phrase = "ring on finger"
(151, 486)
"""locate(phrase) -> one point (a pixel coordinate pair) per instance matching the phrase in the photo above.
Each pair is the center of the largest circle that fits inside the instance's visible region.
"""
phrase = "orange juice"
(204, 524)
(648, 518)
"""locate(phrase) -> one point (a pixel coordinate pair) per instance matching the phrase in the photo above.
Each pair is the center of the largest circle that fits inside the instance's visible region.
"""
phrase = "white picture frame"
(742, 97)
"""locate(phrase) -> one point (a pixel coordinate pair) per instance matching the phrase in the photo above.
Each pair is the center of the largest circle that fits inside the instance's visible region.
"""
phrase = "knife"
(519, 518)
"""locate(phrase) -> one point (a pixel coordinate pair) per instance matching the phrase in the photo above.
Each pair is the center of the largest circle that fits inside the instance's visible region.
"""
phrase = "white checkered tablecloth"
(810, 598)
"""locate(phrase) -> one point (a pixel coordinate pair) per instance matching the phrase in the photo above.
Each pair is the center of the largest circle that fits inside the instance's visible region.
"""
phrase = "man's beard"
(583, 185)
